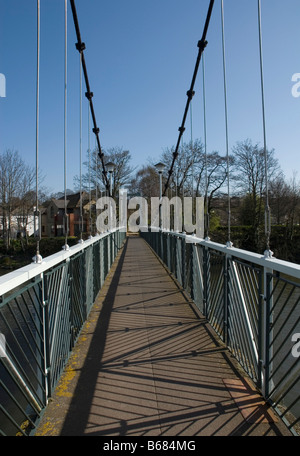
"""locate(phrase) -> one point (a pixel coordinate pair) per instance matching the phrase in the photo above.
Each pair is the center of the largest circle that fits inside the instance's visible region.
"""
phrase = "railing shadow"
(88, 377)
(161, 373)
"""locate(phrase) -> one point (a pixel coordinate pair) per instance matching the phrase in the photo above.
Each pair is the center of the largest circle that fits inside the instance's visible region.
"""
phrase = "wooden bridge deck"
(147, 363)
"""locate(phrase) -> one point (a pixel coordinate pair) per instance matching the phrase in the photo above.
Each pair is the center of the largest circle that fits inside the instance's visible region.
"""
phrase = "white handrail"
(285, 267)
(20, 276)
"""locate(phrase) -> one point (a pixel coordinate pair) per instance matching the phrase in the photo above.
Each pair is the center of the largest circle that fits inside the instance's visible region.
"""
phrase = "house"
(53, 215)
(18, 225)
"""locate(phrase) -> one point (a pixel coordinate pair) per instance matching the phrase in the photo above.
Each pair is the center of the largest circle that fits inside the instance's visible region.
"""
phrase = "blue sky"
(140, 55)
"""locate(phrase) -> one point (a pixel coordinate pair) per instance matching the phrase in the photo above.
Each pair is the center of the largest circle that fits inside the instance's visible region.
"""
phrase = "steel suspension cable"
(89, 155)
(183, 177)
(66, 218)
(37, 258)
(80, 145)
(267, 208)
(229, 243)
(190, 93)
(192, 147)
(96, 178)
(80, 46)
(206, 216)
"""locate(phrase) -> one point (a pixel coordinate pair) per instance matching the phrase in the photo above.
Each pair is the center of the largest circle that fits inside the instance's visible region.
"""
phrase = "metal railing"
(252, 302)
(43, 308)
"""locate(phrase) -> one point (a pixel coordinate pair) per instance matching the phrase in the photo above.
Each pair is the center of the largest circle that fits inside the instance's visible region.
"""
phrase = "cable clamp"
(96, 130)
(89, 95)
(202, 45)
(181, 129)
(190, 94)
(80, 47)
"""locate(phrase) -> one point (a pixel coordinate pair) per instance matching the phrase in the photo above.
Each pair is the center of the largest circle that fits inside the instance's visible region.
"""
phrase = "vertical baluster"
(46, 337)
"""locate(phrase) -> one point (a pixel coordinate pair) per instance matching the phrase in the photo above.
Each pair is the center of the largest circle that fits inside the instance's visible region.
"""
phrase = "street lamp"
(160, 168)
(110, 168)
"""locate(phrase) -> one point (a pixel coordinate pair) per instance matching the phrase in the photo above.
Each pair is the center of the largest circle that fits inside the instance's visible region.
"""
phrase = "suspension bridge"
(158, 333)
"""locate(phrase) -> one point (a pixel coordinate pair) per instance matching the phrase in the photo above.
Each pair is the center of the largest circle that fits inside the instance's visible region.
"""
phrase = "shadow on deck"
(147, 363)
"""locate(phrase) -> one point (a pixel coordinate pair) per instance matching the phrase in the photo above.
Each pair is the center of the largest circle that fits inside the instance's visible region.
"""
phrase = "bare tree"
(188, 167)
(280, 195)
(93, 178)
(292, 206)
(250, 176)
(13, 171)
(195, 173)
(145, 183)
(122, 171)
(27, 200)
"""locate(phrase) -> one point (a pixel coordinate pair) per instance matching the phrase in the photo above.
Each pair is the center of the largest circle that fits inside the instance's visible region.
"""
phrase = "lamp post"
(160, 168)
(110, 168)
